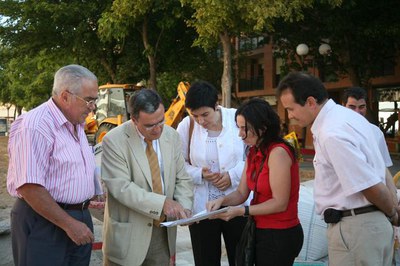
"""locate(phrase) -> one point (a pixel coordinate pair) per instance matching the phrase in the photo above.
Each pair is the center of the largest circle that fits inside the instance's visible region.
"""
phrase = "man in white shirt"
(349, 187)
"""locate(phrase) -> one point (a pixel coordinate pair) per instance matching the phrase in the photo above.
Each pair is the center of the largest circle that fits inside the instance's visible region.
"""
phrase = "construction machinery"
(176, 110)
(112, 109)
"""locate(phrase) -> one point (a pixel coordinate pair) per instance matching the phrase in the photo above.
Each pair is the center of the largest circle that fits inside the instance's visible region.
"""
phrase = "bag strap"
(191, 126)
(265, 157)
(256, 178)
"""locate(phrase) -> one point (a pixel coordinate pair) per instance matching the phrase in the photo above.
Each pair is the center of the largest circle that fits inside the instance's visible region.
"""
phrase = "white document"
(195, 218)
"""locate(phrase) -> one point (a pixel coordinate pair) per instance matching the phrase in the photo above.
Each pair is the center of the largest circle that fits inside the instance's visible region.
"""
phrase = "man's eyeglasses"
(151, 127)
(88, 103)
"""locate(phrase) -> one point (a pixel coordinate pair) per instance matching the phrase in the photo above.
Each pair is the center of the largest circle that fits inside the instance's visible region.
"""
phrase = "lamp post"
(302, 50)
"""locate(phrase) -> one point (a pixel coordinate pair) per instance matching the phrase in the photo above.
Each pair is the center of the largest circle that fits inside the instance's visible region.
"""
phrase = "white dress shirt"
(347, 158)
(382, 145)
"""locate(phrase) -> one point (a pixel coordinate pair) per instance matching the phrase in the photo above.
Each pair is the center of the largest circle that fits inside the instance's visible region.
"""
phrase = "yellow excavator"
(112, 109)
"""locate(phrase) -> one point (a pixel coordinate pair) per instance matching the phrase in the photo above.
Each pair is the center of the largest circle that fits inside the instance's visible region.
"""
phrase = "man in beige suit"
(135, 206)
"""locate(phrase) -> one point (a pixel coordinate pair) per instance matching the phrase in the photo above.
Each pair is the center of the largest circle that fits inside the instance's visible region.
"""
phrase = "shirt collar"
(316, 126)
(138, 131)
(58, 116)
(155, 142)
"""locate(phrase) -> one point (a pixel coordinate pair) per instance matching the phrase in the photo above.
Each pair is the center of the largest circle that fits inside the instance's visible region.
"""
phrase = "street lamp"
(302, 50)
(324, 49)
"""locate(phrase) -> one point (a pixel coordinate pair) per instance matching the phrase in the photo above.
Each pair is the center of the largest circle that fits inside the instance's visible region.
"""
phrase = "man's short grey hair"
(70, 78)
(144, 100)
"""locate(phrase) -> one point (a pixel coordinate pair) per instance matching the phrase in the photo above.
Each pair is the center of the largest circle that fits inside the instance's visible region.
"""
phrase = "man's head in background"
(355, 98)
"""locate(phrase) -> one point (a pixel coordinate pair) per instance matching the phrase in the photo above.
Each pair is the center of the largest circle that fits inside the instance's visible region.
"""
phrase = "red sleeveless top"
(281, 220)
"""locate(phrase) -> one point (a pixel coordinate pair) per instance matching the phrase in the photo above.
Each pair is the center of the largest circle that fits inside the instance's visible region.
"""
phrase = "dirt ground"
(6, 201)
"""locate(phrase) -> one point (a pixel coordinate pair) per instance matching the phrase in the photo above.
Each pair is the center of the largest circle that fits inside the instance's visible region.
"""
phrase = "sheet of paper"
(195, 218)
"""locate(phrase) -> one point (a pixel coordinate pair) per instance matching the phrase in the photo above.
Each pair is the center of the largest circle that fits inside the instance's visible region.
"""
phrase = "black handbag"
(246, 247)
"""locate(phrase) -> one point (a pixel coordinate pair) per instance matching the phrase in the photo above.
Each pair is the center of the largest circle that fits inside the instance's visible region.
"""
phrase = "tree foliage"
(125, 41)
(151, 18)
(39, 37)
(219, 21)
(364, 37)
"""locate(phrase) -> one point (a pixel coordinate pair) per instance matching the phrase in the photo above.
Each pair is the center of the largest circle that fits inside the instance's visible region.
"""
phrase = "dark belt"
(77, 206)
(334, 216)
(360, 210)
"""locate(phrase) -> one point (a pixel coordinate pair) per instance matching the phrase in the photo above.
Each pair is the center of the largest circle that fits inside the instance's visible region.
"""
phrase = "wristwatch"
(246, 211)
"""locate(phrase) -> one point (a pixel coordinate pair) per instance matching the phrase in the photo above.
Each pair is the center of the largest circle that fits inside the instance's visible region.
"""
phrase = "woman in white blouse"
(214, 159)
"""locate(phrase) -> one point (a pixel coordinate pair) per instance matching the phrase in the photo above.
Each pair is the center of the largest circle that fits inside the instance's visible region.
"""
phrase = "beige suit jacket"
(131, 207)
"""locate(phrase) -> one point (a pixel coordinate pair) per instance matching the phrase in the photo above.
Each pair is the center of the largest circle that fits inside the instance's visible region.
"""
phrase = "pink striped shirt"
(43, 150)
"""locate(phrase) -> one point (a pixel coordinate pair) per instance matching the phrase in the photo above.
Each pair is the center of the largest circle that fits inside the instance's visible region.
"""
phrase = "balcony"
(253, 84)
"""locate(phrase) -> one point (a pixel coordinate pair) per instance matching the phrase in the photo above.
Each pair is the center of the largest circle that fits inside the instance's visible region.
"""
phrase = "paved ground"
(184, 256)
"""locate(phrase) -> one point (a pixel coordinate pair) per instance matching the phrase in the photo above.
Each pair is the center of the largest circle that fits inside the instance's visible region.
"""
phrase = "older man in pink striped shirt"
(51, 173)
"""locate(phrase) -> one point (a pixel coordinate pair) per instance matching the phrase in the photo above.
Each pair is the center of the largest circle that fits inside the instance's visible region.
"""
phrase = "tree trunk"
(347, 59)
(226, 80)
(236, 74)
(149, 50)
(18, 110)
(109, 70)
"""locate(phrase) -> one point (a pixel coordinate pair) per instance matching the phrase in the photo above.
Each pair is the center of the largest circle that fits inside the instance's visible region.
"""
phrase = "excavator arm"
(176, 110)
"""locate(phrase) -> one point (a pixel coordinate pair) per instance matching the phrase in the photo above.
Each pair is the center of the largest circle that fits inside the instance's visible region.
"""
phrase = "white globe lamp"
(324, 49)
(302, 49)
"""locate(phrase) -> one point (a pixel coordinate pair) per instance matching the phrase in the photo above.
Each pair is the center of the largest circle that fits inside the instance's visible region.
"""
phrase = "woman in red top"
(272, 164)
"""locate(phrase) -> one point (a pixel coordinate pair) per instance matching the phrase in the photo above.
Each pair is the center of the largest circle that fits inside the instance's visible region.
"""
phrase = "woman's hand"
(224, 182)
(231, 213)
(209, 176)
(214, 204)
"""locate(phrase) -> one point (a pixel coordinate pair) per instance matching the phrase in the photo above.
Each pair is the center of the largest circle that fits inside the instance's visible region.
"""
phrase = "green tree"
(35, 31)
(151, 18)
(364, 36)
(220, 21)
(29, 80)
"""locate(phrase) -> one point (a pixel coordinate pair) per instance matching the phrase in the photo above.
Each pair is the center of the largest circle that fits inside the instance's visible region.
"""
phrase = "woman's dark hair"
(201, 94)
(264, 122)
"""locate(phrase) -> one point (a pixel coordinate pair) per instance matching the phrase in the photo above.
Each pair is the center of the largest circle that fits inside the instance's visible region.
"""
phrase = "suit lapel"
(136, 148)
(166, 155)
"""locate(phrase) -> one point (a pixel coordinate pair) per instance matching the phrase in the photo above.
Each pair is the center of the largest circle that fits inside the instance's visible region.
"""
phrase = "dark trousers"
(206, 240)
(278, 247)
(38, 242)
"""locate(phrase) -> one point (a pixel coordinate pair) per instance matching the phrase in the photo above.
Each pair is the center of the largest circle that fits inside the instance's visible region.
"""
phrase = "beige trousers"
(364, 239)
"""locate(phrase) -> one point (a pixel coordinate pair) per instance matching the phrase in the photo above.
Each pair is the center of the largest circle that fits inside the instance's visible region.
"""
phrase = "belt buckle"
(84, 204)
